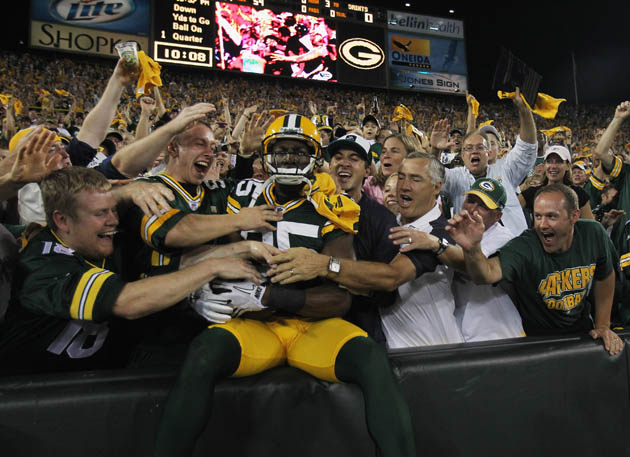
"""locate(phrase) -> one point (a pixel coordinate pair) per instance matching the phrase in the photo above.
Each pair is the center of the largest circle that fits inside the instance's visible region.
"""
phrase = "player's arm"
(153, 294)
(329, 300)
(603, 151)
(603, 291)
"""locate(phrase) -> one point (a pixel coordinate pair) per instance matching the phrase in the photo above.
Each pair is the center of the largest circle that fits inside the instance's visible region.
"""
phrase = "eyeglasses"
(475, 147)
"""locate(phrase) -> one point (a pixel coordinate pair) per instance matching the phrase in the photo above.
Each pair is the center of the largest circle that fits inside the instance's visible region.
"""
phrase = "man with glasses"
(510, 172)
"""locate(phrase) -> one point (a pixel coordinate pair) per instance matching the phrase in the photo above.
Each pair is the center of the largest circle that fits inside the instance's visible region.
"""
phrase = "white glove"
(211, 309)
(221, 300)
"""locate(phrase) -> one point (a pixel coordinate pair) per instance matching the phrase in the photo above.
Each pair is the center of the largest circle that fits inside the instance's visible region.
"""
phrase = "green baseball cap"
(490, 191)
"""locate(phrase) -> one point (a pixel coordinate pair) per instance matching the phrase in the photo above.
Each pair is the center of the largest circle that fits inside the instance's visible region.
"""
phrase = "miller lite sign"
(90, 11)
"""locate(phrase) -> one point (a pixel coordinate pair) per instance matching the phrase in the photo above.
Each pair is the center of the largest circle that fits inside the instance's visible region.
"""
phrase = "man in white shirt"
(510, 170)
(486, 312)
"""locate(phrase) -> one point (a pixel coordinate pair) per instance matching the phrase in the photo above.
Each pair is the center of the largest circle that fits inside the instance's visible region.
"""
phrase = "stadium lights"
(407, 5)
(451, 11)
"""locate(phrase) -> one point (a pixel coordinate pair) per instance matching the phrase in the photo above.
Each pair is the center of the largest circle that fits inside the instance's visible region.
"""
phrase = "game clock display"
(183, 54)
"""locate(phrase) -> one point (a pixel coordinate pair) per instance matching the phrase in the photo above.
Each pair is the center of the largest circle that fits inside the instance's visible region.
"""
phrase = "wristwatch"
(334, 266)
(443, 244)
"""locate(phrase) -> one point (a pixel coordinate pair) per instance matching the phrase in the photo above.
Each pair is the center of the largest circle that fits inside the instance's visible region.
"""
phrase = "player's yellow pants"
(310, 346)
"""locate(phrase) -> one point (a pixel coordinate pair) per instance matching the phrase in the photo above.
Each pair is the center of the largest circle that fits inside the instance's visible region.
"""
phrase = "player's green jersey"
(148, 233)
(60, 307)
(302, 225)
(552, 290)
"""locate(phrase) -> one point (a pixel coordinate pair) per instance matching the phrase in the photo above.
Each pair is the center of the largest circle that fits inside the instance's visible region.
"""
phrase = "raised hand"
(623, 110)
(439, 135)
(34, 160)
(466, 229)
(254, 132)
(190, 114)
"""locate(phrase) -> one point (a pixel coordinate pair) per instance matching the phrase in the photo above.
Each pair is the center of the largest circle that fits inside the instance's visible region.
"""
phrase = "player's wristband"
(286, 298)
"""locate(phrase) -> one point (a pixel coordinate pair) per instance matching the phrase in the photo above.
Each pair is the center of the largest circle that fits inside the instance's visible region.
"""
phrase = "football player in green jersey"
(299, 326)
(71, 285)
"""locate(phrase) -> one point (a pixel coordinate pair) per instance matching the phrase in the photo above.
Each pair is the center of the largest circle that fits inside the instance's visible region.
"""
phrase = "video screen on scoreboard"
(270, 43)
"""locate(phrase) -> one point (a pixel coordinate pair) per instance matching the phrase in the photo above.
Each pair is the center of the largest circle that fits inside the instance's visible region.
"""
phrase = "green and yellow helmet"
(292, 127)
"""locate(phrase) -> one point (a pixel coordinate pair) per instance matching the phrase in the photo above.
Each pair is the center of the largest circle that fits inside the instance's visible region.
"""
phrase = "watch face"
(334, 266)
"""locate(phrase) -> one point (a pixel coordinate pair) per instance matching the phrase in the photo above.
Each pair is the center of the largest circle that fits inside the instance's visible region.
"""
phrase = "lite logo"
(90, 11)
(361, 53)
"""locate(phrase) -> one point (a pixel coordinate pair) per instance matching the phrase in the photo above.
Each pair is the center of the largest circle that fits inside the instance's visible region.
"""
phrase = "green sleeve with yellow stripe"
(54, 281)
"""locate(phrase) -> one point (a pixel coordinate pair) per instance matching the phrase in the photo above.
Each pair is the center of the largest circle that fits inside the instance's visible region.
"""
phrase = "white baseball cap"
(561, 151)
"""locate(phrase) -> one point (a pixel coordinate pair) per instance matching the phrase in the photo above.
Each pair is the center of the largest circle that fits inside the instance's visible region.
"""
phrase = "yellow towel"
(546, 106)
(17, 106)
(62, 92)
(4, 98)
(402, 112)
(339, 209)
(551, 132)
(149, 74)
(486, 123)
(475, 104)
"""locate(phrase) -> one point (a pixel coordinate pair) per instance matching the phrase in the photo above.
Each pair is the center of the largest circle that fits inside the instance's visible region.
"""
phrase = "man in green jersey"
(559, 269)
(70, 284)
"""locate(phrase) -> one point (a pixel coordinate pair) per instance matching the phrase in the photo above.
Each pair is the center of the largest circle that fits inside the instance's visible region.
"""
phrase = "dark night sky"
(542, 34)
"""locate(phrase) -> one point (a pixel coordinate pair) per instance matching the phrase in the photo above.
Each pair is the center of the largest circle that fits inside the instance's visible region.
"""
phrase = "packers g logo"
(361, 53)
(487, 186)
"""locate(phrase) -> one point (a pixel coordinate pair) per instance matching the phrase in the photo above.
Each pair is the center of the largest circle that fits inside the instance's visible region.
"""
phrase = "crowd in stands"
(26, 74)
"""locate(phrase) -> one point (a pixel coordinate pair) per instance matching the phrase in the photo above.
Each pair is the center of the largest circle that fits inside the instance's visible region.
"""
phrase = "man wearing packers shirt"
(298, 326)
(70, 286)
(557, 268)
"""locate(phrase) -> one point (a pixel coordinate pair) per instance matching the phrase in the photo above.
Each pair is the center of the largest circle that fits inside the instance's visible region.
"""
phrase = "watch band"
(334, 266)
(442, 246)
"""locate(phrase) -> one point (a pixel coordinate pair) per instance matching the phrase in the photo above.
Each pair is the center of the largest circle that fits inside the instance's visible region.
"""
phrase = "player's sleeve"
(71, 291)
(242, 194)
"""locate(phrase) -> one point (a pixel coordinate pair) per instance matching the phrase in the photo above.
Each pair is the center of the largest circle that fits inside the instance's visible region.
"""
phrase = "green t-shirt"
(552, 290)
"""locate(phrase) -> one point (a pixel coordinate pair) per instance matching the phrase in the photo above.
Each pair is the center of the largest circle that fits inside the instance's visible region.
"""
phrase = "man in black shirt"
(349, 165)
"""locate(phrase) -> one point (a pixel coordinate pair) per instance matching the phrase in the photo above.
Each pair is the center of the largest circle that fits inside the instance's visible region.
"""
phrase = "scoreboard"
(325, 40)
